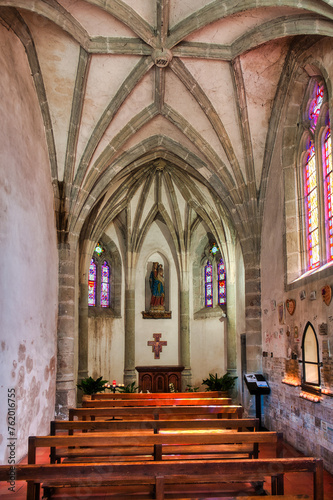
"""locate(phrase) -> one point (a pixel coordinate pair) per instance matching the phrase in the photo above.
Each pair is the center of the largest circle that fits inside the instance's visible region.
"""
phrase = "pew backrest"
(157, 413)
(157, 395)
(84, 446)
(171, 401)
(240, 425)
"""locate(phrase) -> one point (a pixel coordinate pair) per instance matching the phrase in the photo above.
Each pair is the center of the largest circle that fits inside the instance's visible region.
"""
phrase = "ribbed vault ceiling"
(121, 83)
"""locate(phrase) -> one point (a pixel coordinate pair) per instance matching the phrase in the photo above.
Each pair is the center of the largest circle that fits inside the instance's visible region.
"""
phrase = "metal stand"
(258, 409)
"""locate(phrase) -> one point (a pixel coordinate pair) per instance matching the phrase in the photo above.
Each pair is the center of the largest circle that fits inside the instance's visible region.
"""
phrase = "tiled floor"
(294, 483)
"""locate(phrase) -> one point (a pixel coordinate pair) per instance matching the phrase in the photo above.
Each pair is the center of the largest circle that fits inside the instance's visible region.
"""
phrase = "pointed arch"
(310, 358)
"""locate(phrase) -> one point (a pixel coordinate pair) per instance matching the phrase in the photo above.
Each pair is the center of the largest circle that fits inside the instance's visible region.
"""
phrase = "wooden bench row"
(161, 452)
(160, 479)
(71, 426)
(157, 413)
(171, 401)
(136, 446)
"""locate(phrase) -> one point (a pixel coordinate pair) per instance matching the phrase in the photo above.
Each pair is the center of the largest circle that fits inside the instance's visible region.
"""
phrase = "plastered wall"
(29, 260)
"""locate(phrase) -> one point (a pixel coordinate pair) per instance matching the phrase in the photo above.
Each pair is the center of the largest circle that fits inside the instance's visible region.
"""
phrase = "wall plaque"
(291, 306)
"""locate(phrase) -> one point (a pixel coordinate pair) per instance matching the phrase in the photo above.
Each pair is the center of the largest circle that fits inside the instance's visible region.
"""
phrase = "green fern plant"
(190, 388)
(90, 386)
(215, 383)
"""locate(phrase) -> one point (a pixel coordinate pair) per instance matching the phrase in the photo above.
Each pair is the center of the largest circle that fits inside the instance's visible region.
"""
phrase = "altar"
(158, 378)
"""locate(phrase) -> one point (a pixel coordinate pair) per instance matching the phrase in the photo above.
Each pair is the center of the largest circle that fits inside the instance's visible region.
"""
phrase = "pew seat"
(142, 446)
(175, 477)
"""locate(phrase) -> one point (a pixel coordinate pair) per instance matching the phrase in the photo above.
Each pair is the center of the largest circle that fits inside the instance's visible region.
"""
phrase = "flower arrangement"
(127, 388)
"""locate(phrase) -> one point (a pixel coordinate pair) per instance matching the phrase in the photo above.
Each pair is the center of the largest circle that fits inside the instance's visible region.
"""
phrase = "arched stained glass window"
(105, 285)
(318, 187)
(208, 285)
(311, 208)
(328, 187)
(221, 278)
(92, 283)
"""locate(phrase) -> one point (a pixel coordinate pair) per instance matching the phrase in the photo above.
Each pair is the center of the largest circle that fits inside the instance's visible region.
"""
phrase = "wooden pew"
(136, 446)
(157, 413)
(172, 401)
(161, 478)
(155, 426)
(157, 395)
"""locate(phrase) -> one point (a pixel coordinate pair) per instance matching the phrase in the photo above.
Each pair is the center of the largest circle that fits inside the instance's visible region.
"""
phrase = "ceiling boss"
(162, 57)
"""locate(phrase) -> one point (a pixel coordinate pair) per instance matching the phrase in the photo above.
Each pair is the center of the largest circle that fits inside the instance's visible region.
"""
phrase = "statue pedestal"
(156, 314)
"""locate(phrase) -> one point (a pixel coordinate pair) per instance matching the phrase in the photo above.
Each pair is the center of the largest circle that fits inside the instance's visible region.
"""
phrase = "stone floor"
(294, 483)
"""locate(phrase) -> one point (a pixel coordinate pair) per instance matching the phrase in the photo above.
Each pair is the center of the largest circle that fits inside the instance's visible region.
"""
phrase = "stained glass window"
(105, 285)
(99, 249)
(214, 249)
(318, 187)
(311, 201)
(328, 186)
(208, 285)
(221, 283)
(316, 105)
(92, 283)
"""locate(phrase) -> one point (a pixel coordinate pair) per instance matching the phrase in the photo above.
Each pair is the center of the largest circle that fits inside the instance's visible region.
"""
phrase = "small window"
(92, 283)
(311, 364)
(311, 201)
(99, 279)
(208, 285)
(105, 285)
(221, 278)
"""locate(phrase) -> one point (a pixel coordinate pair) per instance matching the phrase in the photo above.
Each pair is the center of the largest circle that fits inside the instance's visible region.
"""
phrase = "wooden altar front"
(158, 378)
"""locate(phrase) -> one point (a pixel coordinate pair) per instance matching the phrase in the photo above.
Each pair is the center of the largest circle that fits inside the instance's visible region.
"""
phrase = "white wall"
(29, 259)
(156, 247)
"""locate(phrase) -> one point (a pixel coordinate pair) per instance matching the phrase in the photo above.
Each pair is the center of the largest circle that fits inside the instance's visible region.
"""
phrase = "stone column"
(252, 329)
(65, 383)
(185, 353)
(253, 318)
(129, 372)
(231, 344)
(83, 332)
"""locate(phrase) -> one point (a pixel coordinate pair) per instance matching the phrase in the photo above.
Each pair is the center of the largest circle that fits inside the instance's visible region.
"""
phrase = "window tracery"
(92, 284)
(99, 280)
(215, 283)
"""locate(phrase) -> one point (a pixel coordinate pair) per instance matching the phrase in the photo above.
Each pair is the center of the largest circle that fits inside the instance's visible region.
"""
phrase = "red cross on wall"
(157, 344)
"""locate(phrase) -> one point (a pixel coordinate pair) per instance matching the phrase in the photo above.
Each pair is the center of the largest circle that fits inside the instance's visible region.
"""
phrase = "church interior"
(167, 187)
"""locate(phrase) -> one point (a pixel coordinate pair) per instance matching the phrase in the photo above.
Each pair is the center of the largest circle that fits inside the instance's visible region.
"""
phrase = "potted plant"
(222, 384)
(190, 388)
(90, 386)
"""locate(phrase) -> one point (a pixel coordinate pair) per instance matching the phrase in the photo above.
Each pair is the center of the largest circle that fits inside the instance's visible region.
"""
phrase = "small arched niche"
(310, 361)
(160, 260)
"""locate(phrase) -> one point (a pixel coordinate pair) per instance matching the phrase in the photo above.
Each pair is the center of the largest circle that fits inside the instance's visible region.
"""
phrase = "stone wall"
(307, 425)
